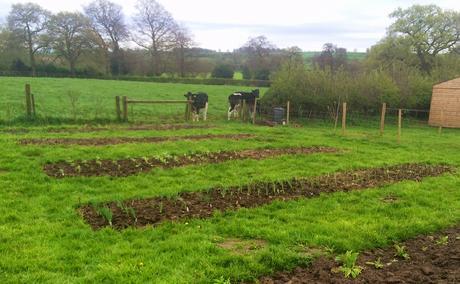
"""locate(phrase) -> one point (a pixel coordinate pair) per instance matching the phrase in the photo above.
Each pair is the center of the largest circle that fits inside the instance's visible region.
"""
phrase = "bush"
(19, 66)
(223, 71)
(263, 74)
(246, 73)
(322, 90)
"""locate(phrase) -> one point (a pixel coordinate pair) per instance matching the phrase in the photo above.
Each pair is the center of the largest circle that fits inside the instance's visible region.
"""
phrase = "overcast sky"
(225, 25)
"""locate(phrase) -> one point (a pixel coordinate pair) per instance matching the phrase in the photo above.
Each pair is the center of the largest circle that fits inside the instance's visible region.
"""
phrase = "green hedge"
(208, 81)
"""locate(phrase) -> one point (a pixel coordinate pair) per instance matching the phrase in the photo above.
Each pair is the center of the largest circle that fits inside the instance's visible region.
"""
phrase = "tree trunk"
(72, 67)
(182, 61)
(31, 56)
(117, 58)
(424, 64)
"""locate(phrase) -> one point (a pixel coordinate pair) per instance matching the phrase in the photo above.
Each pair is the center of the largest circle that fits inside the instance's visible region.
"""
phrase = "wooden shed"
(445, 104)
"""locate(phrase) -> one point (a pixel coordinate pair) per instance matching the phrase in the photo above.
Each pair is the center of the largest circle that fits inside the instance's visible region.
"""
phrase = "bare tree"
(108, 22)
(29, 21)
(70, 34)
(182, 42)
(260, 59)
(154, 30)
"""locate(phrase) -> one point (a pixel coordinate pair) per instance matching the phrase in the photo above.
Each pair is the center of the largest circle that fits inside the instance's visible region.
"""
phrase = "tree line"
(101, 41)
(420, 49)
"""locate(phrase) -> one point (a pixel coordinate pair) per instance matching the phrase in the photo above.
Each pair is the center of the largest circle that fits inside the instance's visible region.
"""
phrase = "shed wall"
(445, 104)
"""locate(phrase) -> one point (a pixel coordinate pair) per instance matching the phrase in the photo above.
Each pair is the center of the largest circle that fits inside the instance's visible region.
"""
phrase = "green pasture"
(86, 100)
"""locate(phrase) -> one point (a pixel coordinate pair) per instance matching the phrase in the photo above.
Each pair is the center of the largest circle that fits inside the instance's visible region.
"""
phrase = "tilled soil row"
(432, 259)
(97, 129)
(127, 167)
(123, 140)
(186, 205)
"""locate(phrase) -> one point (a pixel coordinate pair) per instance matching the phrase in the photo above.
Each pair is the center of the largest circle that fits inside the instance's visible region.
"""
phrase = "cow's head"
(256, 93)
(189, 96)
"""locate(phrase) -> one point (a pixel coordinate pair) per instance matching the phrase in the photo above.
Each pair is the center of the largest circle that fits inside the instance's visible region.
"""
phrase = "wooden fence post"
(118, 107)
(243, 115)
(32, 102)
(125, 108)
(288, 108)
(254, 111)
(344, 118)
(28, 101)
(188, 111)
(399, 124)
(382, 118)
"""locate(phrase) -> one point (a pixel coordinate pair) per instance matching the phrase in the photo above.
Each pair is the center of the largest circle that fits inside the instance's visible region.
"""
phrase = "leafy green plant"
(221, 280)
(349, 267)
(401, 252)
(105, 213)
(377, 263)
(443, 241)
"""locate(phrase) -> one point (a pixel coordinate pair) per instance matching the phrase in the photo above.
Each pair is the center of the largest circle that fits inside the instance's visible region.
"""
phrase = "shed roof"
(454, 84)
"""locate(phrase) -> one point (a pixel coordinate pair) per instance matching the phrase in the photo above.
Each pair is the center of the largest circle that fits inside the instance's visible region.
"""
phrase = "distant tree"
(182, 42)
(108, 22)
(246, 73)
(154, 27)
(223, 71)
(11, 47)
(332, 57)
(390, 53)
(70, 34)
(29, 21)
(19, 66)
(260, 56)
(429, 29)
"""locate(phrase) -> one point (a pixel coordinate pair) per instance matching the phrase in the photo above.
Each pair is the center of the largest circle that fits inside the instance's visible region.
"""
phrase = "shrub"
(223, 71)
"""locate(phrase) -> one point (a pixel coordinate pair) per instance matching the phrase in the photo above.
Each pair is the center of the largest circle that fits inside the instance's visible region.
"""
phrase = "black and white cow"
(199, 102)
(236, 99)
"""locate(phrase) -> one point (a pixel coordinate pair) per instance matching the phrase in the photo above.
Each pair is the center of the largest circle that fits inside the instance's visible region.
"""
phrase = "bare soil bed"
(187, 205)
(123, 140)
(432, 259)
(86, 129)
(139, 127)
(127, 167)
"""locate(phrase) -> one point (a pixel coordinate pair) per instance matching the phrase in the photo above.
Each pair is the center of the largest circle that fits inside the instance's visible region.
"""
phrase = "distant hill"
(351, 55)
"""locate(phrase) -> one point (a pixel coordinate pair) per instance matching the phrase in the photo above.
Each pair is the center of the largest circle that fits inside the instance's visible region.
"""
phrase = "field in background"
(84, 100)
(308, 55)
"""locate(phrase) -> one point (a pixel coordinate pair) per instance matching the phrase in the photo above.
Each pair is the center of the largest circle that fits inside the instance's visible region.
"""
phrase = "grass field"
(84, 100)
(43, 238)
(308, 55)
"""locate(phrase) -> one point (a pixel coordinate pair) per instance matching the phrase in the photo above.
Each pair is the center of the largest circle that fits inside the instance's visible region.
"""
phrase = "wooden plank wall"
(446, 100)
